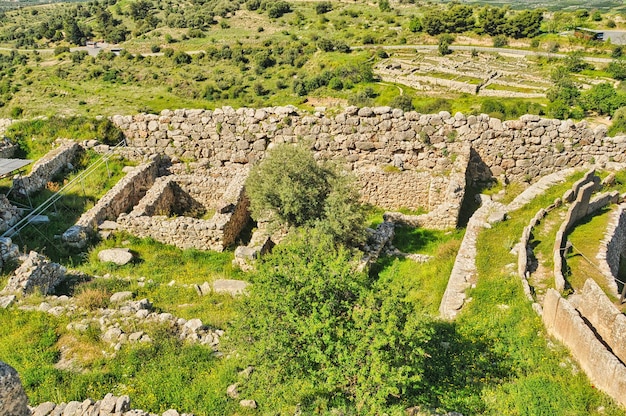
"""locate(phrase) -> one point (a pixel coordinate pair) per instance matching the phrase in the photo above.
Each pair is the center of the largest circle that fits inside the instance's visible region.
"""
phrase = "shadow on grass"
(460, 367)
(412, 240)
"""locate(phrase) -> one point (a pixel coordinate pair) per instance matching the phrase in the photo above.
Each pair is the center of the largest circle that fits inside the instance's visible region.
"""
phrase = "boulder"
(13, 400)
(119, 256)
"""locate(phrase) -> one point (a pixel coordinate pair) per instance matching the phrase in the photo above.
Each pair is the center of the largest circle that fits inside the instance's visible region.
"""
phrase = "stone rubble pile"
(36, 273)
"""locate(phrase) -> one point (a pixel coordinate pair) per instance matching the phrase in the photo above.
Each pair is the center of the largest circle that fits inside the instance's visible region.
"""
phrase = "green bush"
(323, 7)
(500, 41)
(312, 320)
(293, 190)
(403, 102)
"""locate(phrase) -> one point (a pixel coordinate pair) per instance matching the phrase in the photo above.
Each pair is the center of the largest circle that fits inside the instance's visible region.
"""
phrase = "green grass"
(64, 213)
(586, 238)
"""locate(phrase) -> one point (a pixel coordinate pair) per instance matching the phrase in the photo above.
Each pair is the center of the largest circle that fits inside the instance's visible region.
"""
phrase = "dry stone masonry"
(154, 216)
(613, 246)
(47, 167)
(123, 196)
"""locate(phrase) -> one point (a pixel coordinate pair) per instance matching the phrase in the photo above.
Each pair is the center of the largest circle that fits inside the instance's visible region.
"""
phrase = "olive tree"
(292, 189)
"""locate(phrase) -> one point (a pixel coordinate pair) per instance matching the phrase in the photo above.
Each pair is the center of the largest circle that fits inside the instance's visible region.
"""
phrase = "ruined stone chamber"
(205, 210)
(401, 160)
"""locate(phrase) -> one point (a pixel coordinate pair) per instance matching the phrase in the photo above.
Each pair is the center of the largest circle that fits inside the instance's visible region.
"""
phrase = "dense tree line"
(458, 18)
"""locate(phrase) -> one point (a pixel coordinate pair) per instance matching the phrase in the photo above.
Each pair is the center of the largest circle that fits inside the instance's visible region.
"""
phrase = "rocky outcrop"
(47, 168)
(13, 400)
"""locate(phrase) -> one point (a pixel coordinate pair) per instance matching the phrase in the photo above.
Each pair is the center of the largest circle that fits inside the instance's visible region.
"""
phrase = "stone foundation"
(152, 215)
(121, 198)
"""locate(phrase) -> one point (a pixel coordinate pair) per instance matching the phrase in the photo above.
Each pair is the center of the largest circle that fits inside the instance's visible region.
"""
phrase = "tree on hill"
(296, 191)
(492, 20)
(525, 24)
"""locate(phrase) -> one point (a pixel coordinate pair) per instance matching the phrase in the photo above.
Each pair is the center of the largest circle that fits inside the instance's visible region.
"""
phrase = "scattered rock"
(6, 301)
(230, 286)
(248, 403)
(119, 256)
(121, 296)
(232, 392)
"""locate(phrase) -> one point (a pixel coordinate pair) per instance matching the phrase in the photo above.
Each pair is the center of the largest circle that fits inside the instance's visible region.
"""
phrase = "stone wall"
(121, 198)
(583, 205)
(35, 274)
(606, 319)
(47, 168)
(7, 149)
(527, 148)
(524, 251)
(613, 246)
(184, 232)
(604, 369)
(444, 204)
(9, 214)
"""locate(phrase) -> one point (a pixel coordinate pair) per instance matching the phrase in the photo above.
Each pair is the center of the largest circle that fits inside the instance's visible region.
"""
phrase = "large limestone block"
(13, 400)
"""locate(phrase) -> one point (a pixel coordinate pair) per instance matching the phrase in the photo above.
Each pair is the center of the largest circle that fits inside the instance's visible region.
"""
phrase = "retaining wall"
(604, 369)
(47, 168)
(583, 205)
(613, 246)
(608, 321)
(527, 148)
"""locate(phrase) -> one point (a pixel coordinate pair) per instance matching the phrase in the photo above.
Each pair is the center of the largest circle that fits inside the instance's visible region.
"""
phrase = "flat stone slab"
(6, 301)
(40, 219)
(230, 286)
(119, 256)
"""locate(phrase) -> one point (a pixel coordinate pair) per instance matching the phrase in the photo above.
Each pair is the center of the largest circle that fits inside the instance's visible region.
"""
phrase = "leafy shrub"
(403, 102)
(313, 319)
(181, 58)
(323, 7)
(335, 84)
(278, 9)
(415, 25)
(618, 124)
(500, 41)
(61, 49)
(294, 190)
